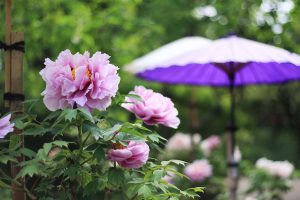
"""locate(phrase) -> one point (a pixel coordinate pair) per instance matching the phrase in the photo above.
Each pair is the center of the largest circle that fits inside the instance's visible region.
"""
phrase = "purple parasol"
(250, 62)
(229, 62)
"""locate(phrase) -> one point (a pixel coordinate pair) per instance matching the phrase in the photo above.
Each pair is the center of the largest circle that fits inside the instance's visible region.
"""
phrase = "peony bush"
(270, 179)
(205, 160)
(89, 155)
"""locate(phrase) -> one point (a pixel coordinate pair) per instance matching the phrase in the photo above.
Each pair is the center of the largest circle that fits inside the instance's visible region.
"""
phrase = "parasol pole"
(232, 173)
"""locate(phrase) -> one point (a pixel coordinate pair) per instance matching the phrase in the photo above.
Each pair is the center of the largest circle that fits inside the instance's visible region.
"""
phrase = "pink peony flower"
(198, 170)
(5, 126)
(209, 144)
(155, 108)
(79, 80)
(182, 142)
(134, 155)
(281, 169)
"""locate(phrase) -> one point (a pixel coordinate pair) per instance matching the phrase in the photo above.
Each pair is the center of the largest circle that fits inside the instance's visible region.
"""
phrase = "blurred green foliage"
(268, 116)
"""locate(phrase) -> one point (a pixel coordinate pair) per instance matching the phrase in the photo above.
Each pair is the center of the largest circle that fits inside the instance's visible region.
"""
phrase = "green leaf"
(27, 152)
(93, 129)
(108, 133)
(158, 174)
(70, 114)
(134, 132)
(19, 124)
(60, 143)
(72, 171)
(144, 191)
(15, 141)
(47, 147)
(30, 170)
(53, 115)
(99, 154)
(115, 176)
(36, 131)
(86, 114)
(5, 158)
(177, 162)
(154, 137)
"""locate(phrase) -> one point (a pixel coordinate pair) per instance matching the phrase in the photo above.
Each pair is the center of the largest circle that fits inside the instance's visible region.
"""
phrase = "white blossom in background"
(237, 154)
(282, 169)
(204, 11)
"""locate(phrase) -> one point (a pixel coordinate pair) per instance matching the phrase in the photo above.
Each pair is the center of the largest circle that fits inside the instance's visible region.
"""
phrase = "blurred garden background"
(268, 117)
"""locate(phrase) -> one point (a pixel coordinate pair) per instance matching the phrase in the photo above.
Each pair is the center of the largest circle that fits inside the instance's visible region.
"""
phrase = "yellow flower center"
(87, 72)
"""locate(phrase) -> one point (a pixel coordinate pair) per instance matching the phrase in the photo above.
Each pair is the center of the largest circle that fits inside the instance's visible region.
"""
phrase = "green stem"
(87, 160)
(87, 137)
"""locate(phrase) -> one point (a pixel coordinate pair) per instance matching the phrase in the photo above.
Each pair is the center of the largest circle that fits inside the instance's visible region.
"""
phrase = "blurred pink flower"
(5, 126)
(209, 144)
(198, 170)
(134, 155)
(182, 142)
(79, 80)
(154, 108)
(281, 169)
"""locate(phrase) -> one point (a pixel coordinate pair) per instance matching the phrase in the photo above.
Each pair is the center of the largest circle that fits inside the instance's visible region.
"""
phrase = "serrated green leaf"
(154, 138)
(30, 170)
(34, 131)
(86, 114)
(177, 162)
(70, 114)
(5, 158)
(60, 143)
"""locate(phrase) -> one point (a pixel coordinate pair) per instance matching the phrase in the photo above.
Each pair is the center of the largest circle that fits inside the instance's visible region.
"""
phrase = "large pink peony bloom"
(79, 80)
(135, 155)
(198, 170)
(5, 126)
(155, 108)
(209, 144)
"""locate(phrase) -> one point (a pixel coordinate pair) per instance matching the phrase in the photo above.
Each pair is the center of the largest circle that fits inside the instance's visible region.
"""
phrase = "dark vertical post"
(232, 172)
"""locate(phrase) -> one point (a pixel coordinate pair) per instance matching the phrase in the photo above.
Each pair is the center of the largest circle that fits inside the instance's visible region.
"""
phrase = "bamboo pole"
(13, 86)
(16, 105)
(7, 53)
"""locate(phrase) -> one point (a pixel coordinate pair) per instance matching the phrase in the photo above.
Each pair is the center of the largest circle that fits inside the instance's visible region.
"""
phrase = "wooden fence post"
(13, 100)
